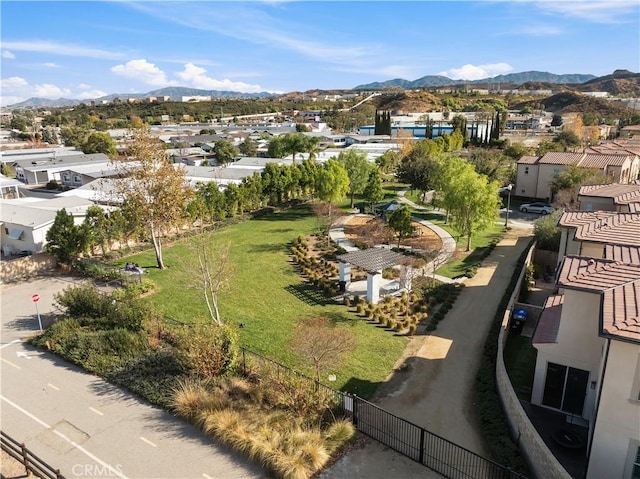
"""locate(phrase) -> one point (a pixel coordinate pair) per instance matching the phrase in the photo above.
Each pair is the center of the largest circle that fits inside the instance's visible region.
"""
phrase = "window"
(526, 170)
(565, 388)
(15, 234)
(65, 177)
(77, 179)
(635, 472)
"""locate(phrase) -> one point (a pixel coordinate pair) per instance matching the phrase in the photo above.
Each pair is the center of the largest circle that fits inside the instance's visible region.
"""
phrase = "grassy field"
(520, 360)
(269, 297)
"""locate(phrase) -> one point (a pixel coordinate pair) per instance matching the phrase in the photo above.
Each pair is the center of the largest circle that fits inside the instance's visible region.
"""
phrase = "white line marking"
(53, 387)
(9, 344)
(112, 470)
(10, 363)
(147, 441)
(206, 476)
(23, 354)
(96, 411)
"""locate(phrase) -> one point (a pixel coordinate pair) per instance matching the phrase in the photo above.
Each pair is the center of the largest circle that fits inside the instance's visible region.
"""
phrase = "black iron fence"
(431, 450)
(32, 463)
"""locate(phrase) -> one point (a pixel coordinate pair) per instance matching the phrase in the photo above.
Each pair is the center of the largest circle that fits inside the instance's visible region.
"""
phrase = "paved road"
(85, 426)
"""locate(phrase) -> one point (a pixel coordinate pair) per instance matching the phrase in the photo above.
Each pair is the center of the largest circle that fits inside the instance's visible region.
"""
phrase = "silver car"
(541, 208)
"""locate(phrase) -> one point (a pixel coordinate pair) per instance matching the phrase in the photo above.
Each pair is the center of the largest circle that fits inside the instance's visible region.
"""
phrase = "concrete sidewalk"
(436, 388)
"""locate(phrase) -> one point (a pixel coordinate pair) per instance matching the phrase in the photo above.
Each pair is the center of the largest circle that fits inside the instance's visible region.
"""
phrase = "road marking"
(10, 363)
(9, 344)
(113, 470)
(96, 411)
(143, 439)
(53, 387)
(206, 476)
(23, 354)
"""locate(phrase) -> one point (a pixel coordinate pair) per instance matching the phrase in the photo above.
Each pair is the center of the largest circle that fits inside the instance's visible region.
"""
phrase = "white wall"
(578, 346)
(617, 430)
(526, 184)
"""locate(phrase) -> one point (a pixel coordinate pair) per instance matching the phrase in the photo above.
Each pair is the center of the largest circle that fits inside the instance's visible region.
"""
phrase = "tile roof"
(620, 194)
(559, 158)
(615, 148)
(622, 253)
(591, 160)
(619, 284)
(603, 226)
(528, 160)
(549, 322)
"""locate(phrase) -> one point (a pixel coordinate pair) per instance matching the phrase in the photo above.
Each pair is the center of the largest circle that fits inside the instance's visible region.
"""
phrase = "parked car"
(542, 208)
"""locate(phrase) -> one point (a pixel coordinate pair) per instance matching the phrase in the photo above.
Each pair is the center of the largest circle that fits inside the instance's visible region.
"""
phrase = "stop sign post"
(35, 297)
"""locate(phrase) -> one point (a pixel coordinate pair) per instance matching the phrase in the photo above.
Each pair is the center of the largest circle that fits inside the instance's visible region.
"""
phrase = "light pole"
(506, 220)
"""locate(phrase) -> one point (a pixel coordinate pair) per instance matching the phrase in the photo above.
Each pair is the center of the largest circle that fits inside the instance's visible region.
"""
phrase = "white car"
(542, 208)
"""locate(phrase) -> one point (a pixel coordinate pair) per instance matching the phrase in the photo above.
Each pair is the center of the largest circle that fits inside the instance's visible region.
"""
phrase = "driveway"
(85, 426)
(436, 388)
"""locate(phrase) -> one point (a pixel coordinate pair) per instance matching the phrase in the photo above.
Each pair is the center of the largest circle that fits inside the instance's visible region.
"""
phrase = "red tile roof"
(559, 158)
(528, 160)
(622, 253)
(549, 323)
(619, 284)
(620, 194)
(603, 226)
(602, 161)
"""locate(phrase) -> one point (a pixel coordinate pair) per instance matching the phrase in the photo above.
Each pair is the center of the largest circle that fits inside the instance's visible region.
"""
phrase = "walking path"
(435, 389)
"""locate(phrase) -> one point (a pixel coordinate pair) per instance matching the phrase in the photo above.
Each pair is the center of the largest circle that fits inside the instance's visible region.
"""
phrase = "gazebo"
(373, 261)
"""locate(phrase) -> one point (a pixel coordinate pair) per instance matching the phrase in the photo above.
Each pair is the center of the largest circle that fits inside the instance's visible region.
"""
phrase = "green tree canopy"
(373, 192)
(97, 142)
(358, 167)
(400, 222)
(248, 147)
(567, 139)
(225, 152)
(332, 181)
(67, 241)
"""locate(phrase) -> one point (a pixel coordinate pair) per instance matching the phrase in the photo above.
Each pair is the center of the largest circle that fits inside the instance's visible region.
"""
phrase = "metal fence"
(417, 443)
(32, 463)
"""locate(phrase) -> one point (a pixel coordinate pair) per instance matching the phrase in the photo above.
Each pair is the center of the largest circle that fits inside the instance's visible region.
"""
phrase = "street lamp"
(506, 220)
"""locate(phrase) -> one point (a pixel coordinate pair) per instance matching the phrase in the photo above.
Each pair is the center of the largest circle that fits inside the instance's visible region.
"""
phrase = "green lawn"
(520, 361)
(269, 297)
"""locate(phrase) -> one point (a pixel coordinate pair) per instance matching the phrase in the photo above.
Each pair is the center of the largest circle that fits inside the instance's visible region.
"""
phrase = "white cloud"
(596, 11)
(196, 77)
(51, 65)
(47, 90)
(61, 49)
(91, 94)
(477, 72)
(8, 55)
(143, 71)
(13, 84)
(84, 86)
(540, 30)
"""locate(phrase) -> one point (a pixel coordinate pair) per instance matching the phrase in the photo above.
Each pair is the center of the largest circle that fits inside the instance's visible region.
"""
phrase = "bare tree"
(214, 270)
(321, 344)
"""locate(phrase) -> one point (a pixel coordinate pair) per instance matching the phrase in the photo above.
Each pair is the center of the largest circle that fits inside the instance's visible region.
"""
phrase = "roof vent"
(591, 262)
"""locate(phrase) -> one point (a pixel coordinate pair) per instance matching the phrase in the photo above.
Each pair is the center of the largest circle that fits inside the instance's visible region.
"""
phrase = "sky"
(85, 50)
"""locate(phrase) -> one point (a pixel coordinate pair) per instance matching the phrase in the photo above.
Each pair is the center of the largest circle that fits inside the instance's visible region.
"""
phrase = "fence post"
(25, 456)
(422, 433)
(58, 475)
(355, 410)
(244, 362)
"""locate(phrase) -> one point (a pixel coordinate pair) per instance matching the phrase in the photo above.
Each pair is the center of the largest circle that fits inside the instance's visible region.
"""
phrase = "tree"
(547, 232)
(98, 226)
(388, 161)
(459, 124)
(248, 147)
(400, 221)
(66, 240)
(98, 142)
(214, 272)
(358, 167)
(473, 201)
(332, 182)
(225, 152)
(155, 194)
(516, 151)
(383, 123)
(277, 148)
(373, 192)
(49, 135)
(320, 344)
(567, 139)
(556, 120)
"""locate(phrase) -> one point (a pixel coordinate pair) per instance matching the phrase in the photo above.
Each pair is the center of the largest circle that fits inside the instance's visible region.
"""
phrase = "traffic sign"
(35, 297)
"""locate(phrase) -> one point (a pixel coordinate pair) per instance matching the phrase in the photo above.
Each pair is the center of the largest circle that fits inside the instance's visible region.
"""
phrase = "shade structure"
(372, 259)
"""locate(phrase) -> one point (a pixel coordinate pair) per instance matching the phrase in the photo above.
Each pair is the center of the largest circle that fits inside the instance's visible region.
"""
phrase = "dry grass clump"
(289, 444)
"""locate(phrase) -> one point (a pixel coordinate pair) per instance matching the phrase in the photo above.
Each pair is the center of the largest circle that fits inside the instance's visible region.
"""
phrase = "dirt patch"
(369, 231)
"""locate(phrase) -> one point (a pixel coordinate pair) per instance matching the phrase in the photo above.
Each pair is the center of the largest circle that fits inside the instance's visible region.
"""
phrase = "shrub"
(412, 329)
(207, 349)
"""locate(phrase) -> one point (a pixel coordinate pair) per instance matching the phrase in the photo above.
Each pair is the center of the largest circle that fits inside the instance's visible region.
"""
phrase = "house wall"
(596, 203)
(526, 180)
(578, 346)
(591, 250)
(545, 176)
(617, 429)
(31, 240)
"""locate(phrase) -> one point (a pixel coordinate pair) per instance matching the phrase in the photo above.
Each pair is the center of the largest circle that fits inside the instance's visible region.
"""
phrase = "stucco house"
(588, 362)
(611, 197)
(535, 174)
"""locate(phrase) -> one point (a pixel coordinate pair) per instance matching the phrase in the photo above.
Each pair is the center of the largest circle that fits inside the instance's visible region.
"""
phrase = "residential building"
(611, 197)
(41, 171)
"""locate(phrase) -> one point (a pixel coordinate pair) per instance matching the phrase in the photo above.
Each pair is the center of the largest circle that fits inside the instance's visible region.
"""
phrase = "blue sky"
(88, 49)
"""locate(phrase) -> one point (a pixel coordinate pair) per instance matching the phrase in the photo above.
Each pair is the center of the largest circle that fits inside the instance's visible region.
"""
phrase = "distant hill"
(176, 94)
(576, 102)
(517, 78)
(620, 82)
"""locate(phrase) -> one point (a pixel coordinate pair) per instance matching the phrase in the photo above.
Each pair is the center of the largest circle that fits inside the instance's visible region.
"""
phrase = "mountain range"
(518, 78)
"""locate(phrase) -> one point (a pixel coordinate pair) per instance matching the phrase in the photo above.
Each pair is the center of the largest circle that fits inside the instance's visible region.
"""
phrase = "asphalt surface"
(83, 425)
